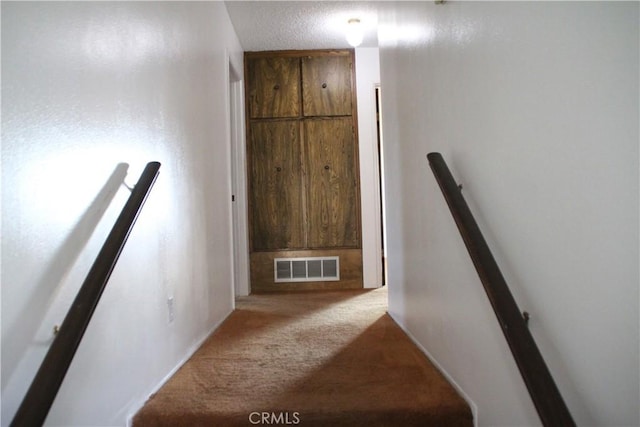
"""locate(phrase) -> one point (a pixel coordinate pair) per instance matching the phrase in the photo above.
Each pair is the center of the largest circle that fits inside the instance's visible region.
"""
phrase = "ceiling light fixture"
(354, 32)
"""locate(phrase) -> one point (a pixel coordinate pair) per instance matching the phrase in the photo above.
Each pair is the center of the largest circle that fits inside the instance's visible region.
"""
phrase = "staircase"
(310, 359)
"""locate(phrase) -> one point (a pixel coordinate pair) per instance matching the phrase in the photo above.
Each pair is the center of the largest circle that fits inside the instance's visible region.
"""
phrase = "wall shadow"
(22, 332)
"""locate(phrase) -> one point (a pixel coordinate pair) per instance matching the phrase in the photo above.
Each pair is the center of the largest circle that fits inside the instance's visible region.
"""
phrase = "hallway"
(321, 358)
(534, 105)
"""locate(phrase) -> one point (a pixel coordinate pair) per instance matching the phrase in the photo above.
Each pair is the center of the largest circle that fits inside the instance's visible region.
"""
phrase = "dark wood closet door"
(326, 86)
(276, 188)
(274, 87)
(332, 196)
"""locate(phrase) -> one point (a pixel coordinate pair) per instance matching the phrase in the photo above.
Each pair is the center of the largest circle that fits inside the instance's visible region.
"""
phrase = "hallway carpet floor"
(311, 359)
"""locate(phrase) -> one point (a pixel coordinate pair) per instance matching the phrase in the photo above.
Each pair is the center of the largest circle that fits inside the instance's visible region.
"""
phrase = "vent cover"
(315, 269)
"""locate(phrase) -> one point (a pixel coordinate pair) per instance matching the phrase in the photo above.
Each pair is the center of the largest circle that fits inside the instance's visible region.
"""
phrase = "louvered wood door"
(326, 86)
(276, 187)
(332, 195)
(274, 87)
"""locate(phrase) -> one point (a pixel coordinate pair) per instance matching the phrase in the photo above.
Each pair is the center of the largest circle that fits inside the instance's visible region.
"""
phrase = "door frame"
(240, 235)
(367, 79)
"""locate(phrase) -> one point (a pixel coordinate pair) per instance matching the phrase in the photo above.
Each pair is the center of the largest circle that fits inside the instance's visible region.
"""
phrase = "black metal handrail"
(45, 385)
(542, 388)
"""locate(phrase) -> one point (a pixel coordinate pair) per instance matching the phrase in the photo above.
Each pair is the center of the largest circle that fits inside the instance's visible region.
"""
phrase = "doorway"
(237, 154)
(383, 223)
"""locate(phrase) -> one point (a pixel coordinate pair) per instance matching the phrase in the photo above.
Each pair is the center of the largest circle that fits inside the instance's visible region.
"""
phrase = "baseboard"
(456, 386)
(171, 373)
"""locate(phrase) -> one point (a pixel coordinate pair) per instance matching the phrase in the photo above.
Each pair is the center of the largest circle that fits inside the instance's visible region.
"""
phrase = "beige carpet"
(310, 359)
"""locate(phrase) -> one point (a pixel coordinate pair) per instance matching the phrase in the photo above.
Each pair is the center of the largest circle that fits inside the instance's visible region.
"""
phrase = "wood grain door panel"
(276, 187)
(274, 87)
(332, 191)
(326, 86)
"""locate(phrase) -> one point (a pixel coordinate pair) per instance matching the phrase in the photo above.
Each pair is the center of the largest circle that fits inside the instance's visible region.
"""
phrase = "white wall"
(367, 76)
(87, 86)
(535, 108)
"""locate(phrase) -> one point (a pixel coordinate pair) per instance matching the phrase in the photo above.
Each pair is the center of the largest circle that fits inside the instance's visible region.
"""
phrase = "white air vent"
(316, 269)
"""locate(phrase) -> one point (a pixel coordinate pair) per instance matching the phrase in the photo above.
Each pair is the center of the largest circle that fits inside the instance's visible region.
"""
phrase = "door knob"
(326, 167)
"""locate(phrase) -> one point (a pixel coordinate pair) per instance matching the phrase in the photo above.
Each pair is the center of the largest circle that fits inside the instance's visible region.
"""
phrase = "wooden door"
(276, 187)
(274, 87)
(326, 86)
(332, 189)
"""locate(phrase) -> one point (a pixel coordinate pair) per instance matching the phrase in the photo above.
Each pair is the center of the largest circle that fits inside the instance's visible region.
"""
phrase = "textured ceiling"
(282, 25)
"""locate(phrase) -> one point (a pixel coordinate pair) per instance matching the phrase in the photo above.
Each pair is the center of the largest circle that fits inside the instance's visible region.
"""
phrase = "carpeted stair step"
(309, 359)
